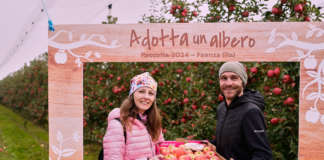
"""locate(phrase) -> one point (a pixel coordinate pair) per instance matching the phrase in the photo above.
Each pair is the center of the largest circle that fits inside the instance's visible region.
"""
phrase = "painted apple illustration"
(60, 57)
(312, 115)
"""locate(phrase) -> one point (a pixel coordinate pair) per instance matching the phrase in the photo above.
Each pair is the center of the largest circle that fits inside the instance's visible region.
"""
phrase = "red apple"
(183, 120)
(206, 149)
(179, 70)
(161, 84)
(172, 149)
(270, 73)
(167, 101)
(214, 158)
(245, 14)
(172, 11)
(198, 153)
(164, 150)
(179, 152)
(254, 70)
(210, 154)
(162, 65)
(214, 1)
(183, 13)
(84, 123)
(192, 156)
(289, 101)
(203, 107)
(188, 79)
(298, 8)
(185, 157)
(231, 8)
(170, 157)
(276, 11)
(307, 18)
(194, 13)
(201, 157)
(194, 107)
(115, 89)
(189, 152)
(185, 92)
(277, 71)
(185, 101)
(277, 91)
(266, 88)
(286, 78)
(274, 121)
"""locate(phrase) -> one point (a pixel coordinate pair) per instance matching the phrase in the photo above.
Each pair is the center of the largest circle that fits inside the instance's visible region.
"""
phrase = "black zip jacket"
(241, 130)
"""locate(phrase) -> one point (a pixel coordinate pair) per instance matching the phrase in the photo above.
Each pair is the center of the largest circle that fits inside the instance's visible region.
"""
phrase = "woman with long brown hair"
(135, 128)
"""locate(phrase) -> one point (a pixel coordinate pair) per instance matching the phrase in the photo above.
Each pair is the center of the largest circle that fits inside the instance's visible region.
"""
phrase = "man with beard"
(240, 130)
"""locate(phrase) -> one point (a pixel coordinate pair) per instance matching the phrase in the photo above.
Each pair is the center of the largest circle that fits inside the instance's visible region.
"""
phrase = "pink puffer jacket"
(138, 144)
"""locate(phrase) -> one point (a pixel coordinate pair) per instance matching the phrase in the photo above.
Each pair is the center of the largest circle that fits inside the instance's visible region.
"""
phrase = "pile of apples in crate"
(187, 151)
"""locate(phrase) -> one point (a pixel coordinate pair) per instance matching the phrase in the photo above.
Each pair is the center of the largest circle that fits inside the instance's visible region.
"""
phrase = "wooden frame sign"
(72, 45)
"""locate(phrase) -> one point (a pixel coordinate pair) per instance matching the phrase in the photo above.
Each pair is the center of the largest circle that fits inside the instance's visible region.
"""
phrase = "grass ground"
(20, 139)
(91, 151)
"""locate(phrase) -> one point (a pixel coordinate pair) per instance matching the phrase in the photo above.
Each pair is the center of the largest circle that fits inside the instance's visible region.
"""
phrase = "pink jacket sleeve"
(114, 141)
(161, 138)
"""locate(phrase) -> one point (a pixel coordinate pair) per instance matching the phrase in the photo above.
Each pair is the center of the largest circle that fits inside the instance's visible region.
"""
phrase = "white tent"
(24, 24)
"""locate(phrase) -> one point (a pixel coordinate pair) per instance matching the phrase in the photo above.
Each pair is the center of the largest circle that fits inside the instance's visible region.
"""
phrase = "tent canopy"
(24, 23)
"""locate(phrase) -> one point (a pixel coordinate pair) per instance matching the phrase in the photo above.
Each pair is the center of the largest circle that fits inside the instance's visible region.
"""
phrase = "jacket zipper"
(149, 136)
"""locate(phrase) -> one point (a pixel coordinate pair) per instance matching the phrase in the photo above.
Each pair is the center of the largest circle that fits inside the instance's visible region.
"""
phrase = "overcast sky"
(24, 26)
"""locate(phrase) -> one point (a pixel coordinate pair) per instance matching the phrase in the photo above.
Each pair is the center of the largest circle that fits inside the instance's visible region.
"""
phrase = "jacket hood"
(256, 98)
(251, 96)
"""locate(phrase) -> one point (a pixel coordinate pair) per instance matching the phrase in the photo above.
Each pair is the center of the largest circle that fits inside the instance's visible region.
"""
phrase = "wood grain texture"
(72, 45)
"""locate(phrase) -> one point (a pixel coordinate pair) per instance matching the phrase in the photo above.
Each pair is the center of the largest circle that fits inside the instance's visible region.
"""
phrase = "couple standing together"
(135, 128)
